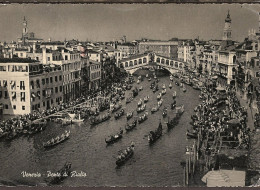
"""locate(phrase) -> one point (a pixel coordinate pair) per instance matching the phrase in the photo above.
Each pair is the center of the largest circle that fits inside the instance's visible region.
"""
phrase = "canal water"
(151, 165)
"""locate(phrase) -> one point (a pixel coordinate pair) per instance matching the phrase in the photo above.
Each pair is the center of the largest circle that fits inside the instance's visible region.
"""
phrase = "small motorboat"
(146, 99)
(143, 118)
(170, 85)
(164, 114)
(131, 126)
(125, 155)
(114, 138)
(129, 115)
(119, 114)
(154, 135)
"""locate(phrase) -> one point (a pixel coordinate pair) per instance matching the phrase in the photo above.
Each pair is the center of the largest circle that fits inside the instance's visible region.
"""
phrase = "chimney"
(44, 58)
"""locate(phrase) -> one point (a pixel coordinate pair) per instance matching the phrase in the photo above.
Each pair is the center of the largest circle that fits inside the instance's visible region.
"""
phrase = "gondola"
(119, 114)
(57, 140)
(124, 155)
(164, 114)
(129, 115)
(143, 118)
(141, 109)
(63, 173)
(154, 135)
(114, 138)
(131, 126)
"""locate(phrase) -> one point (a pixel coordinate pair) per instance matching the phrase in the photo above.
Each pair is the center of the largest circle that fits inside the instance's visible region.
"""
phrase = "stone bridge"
(136, 62)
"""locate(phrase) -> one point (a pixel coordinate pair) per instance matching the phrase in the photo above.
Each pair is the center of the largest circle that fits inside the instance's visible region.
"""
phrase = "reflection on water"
(156, 165)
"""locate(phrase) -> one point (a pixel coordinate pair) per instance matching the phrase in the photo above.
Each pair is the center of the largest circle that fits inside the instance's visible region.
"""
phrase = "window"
(66, 57)
(22, 86)
(60, 77)
(43, 93)
(47, 80)
(50, 79)
(37, 58)
(13, 95)
(6, 94)
(56, 89)
(51, 101)
(6, 106)
(0, 94)
(5, 83)
(56, 78)
(13, 85)
(21, 54)
(60, 88)
(43, 104)
(49, 58)
(23, 107)
(22, 96)
(43, 81)
(14, 107)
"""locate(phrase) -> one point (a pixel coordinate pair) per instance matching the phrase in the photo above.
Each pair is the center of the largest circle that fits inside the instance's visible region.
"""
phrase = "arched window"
(140, 61)
(167, 62)
(135, 62)
(180, 65)
(162, 61)
(176, 64)
(144, 60)
(126, 64)
(131, 63)
(171, 63)
(158, 60)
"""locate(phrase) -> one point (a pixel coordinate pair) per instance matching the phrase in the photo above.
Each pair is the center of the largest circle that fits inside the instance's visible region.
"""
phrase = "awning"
(216, 176)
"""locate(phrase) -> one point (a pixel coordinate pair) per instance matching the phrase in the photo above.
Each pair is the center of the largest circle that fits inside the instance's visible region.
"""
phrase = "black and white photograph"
(130, 95)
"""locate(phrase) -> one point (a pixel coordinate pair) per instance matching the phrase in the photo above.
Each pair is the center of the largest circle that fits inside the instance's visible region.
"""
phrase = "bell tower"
(227, 28)
(25, 30)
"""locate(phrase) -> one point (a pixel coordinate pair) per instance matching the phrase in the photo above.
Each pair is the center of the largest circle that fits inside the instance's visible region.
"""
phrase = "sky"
(108, 22)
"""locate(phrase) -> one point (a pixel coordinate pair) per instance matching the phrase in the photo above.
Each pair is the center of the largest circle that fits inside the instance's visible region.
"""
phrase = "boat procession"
(141, 121)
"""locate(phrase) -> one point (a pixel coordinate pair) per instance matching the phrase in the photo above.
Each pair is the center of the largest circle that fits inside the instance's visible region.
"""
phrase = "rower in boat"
(170, 85)
(164, 114)
(139, 104)
(159, 96)
(164, 91)
(174, 95)
(129, 115)
(163, 86)
(146, 99)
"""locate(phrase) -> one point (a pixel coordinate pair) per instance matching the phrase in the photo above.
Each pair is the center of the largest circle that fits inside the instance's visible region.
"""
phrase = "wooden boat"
(173, 122)
(63, 173)
(138, 81)
(116, 107)
(149, 79)
(180, 109)
(140, 103)
(192, 135)
(57, 140)
(159, 96)
(163, 87)
(160, 103)
(140, 88)
(164, 91)
(125, 155)
(154, 135)
(119, 114)
(146, 75)
(174, 95)
(135, 92)
(141, 109)
(181, 85)
(173, 105)
(129, 115)
(164, 114)
(170, 85)
(114, 138)
(128, 100)
(154, 109)
(143, 118)
(146, 99)
(131, 126)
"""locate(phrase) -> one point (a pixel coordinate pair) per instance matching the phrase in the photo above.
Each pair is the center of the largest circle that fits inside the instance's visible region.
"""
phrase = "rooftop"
(17, 60)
